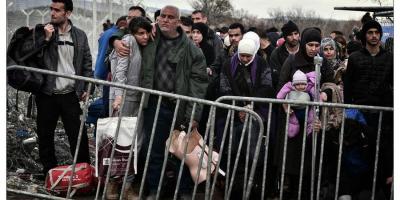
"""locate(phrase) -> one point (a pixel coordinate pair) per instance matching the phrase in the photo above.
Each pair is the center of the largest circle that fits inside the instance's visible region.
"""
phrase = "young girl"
(301, 88)
(126, 70)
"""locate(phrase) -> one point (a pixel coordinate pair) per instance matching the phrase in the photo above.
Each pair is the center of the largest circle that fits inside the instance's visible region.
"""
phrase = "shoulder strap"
(34, 51)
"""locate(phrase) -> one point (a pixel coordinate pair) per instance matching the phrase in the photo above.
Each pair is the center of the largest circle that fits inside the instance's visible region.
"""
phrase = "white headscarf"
(247, 46)
(253, 36)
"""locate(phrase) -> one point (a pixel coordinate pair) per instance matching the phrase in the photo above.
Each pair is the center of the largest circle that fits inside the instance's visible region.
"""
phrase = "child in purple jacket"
(301, 88)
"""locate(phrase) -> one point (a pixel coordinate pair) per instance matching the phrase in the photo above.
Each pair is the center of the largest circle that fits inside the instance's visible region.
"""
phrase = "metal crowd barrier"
(251, 117)
(315, 178)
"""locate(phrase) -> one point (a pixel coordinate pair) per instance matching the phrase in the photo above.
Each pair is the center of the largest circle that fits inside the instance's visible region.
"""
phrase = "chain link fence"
(87, 15)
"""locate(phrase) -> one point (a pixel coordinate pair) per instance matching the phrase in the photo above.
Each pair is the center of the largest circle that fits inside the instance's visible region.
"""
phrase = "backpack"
(21, 79)
(334, 114)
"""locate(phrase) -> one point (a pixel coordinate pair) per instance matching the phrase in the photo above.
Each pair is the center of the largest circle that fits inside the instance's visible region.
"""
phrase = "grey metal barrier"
(250, 118)
(317, 161)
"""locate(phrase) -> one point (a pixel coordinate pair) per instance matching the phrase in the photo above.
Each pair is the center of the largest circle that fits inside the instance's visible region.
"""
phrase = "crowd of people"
(183, 55)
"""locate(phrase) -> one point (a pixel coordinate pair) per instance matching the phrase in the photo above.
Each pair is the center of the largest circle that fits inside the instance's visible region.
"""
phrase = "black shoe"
(39, 177)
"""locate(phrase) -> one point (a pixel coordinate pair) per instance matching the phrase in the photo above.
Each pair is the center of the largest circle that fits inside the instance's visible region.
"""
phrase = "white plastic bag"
(105, 134)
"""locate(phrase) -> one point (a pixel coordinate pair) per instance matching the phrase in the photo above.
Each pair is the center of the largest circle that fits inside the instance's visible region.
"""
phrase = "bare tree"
(214, 9)
(308, 18)
(381, 2)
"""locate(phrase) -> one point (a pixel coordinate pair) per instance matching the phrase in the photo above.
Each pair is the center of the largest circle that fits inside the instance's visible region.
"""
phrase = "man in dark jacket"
(291, 35)
(67, 51)
(171, 63)
(369, 81)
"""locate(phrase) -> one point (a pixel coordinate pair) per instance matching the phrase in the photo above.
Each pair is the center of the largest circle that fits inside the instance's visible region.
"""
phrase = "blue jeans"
(161, 134)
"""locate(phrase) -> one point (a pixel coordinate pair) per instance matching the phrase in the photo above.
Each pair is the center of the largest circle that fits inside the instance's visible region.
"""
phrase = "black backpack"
(21, 79)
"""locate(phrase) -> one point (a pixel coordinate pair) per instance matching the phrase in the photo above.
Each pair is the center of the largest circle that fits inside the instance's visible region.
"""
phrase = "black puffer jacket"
(369, 79)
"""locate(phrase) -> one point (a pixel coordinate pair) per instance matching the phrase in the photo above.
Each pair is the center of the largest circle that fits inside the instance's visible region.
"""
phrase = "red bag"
(57, 179)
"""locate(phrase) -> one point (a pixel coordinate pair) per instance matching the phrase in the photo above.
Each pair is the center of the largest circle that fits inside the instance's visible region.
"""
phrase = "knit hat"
(299, 77)
(368, 25)
(247, 46)
(310, 35)
(273, 37)
(253, 36)
(288, 28)
(203, 28)
(328, 42)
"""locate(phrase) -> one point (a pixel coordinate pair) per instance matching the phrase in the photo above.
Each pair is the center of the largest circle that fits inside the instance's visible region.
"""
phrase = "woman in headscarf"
(244, 74)
(303, 60)
(199, 37)
(331, 59)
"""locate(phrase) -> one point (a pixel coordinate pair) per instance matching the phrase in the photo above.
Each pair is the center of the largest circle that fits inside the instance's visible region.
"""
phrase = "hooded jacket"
(126, 70)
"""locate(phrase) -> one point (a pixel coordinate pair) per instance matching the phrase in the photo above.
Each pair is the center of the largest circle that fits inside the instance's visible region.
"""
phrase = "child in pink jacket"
(301, 88)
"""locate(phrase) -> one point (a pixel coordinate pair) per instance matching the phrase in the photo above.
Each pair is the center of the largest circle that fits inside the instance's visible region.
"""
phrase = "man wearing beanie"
(291, 34)
(369, 81)
(303, 61)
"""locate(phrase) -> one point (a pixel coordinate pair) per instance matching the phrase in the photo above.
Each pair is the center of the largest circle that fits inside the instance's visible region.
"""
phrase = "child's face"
(300, 87)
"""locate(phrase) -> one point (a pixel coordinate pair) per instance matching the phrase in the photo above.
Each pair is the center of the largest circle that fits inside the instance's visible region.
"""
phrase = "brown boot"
(112, 191)
(130, 193)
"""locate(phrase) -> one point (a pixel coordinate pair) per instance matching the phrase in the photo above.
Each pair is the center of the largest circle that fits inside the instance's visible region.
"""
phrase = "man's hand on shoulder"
(121, 47)
(153, 30)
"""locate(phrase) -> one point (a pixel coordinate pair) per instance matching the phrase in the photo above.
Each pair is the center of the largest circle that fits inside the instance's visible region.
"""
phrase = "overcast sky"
(323, 8)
